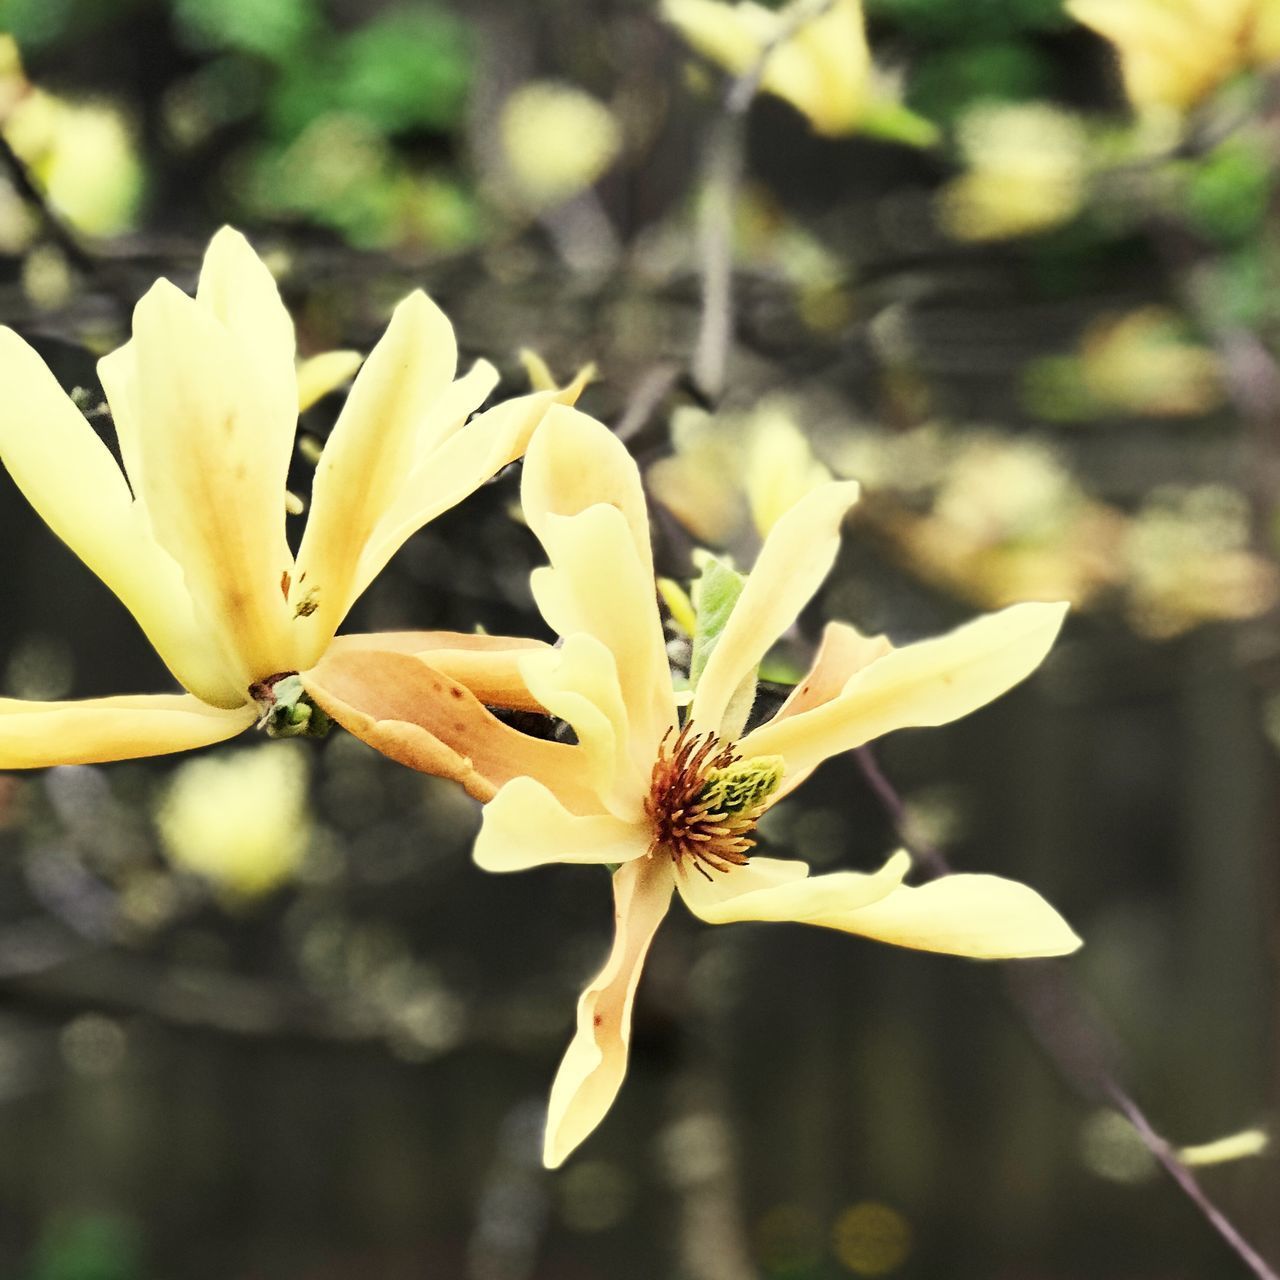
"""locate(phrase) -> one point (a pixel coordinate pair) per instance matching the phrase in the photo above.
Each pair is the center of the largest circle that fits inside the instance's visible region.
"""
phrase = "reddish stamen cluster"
(684, 822)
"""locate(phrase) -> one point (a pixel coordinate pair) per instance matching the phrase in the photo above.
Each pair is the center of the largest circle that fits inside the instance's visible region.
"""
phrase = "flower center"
(704, 801)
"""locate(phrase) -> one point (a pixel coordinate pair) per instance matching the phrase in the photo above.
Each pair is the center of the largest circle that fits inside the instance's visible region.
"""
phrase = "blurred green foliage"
(95, 1246)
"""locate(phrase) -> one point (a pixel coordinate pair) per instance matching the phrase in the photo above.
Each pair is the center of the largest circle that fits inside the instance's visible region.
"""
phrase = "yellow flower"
(556, 141)
(1174, 53)
(674, 804)
(1026, 172)
(238, 820)
(824, 69)
(732, 471)
(190, 535)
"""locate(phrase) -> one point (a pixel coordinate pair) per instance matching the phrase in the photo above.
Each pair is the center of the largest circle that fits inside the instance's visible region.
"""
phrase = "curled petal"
(985, 917)
(929, 683)
(94, 730)
(598, 584)
(796, 557)
(593, 1067)
(526, 826)
(781, 890)
(579, 683)
(69, 476)
(488, 666)
(575, 463)
(419, 717)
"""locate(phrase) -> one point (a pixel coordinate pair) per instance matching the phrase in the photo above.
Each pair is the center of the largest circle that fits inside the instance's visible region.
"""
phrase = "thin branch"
(52, 225)
(725, 160)
(1071, 1035)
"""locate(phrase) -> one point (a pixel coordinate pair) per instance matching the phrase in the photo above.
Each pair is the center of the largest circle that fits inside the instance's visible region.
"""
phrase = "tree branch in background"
(1071, 1035)
(723, 176)
(51, 224)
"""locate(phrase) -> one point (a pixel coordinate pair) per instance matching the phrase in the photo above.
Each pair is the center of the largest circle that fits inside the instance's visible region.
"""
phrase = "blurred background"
(1016, 272)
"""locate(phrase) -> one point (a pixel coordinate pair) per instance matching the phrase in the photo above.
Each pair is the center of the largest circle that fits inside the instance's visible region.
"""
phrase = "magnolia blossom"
(190, 535)
(672, 802)
(823, 67)
(1174, 53)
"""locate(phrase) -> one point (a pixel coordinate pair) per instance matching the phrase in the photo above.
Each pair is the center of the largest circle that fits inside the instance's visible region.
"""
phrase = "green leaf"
(715, 594)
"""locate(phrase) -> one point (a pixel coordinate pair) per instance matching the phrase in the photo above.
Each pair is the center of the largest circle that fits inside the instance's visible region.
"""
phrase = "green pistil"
(743, 785)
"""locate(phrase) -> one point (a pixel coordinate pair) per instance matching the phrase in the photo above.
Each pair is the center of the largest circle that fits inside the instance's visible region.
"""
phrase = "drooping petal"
(320, 374)
(981, 916)
(597, 584)
(365, 461)
(414, 714)
(796, 557)
(526, 826)
(593, 1067)
(929, 683)
(579, 683)
(34, 735)
(488, 666)
(216, 434)
(70, 478)
(782, 890)
(984, 917)
(456, 468)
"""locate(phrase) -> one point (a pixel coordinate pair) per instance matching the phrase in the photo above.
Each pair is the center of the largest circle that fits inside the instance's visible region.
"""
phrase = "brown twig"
(52, 225)
(1071, 1035)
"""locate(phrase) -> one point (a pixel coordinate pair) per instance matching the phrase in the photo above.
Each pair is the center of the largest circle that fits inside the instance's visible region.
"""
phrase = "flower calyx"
(286, 709)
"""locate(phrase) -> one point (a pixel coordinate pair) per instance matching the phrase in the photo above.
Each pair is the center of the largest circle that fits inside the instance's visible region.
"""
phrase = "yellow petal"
(526, 826)
(796, 557)
(575, 462)
(822, 69)
(844, 652)
(320, 374)
(70, 478)
(36, 734)
(582, 496)
(929, 683)
(236, 287)
(455, 469)
(421, 718)
(597, 584)
(216, 438)
(984, 917)
(595, 1063)
(579, 683)
(782, 890)
(365, 461)
(488, 666)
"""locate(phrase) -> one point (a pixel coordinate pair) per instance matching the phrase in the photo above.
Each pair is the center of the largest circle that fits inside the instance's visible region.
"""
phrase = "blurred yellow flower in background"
(1027, 172)
(239, 820)
(82, 154)
(556, 141)
(1027, 168)
(1174, 53)
(733, 473)
(818, 60)
(190, 534)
